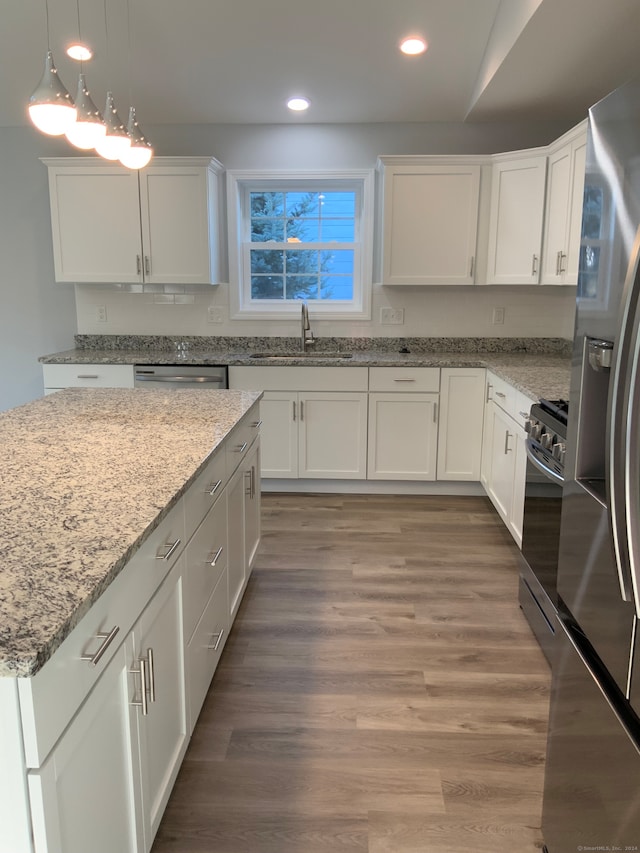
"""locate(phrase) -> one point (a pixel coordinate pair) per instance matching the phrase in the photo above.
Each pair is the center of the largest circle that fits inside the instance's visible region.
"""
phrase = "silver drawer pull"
(218, 637)
(500, 394)
(141, 670)
(213, 489)
(107, 639)
(87, 376)
(257, 424)
(488, 397)
(216, 557)
(507, 436)
(241, 447)
(403, 379)
(171, 548)
(152, 676)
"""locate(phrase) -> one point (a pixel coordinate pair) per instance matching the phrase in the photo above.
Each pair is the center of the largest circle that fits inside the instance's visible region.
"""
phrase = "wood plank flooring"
(380, 691)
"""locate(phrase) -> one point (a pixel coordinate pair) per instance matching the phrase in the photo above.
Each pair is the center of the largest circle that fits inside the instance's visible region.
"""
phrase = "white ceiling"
(236, 61)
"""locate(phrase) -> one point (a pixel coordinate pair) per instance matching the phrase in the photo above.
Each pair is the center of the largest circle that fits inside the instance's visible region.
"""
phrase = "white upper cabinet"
(515, 222)
(430, 220)
(159, 225)
(563, 215)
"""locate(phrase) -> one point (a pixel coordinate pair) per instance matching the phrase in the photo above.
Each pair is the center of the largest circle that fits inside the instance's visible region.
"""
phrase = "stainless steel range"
(546, 447)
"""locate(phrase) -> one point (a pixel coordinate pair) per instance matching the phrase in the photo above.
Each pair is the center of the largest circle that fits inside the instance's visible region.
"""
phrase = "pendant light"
(138, 155)
(116, 140)
(51, 108)
(88, 128)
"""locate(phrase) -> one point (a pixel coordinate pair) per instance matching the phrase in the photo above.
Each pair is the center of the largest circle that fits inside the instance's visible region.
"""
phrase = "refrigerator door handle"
(624, 444)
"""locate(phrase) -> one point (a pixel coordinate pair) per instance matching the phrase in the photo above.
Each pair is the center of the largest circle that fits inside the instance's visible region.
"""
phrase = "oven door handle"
(531, 447)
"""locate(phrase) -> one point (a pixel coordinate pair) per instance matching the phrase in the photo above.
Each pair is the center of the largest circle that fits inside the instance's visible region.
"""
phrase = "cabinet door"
(175, 225)
(86, 796)
(332, 435)
(402, 436)
(252, 504)
(519, 478)
(430, 224)
(556, 216)
(95, 219)
(279, 434)
(576, 200)
(460, 423)
(515, 223)
(162, 731)
(502, 462)
(236, 562)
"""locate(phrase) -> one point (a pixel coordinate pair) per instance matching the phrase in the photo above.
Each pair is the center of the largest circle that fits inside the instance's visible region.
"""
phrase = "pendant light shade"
(116, 140)
(88, 127)
(140, 152)
(51, 108)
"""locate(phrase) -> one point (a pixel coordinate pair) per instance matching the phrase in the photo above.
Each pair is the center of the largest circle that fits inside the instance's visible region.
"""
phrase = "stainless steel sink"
(318, 355)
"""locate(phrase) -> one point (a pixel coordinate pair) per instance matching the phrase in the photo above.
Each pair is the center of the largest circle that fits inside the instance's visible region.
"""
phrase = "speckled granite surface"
(87, 474)
(539, 367)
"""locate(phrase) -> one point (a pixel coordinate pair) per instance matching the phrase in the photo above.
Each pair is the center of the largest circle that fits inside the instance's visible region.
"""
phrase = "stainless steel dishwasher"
(180, 376)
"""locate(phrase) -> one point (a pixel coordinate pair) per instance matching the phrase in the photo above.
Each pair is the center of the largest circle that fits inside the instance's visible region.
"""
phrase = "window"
(300, 237)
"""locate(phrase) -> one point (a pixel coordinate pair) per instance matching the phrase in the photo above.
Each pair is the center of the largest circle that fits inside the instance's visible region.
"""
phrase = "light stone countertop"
(536, 374)
(87, 475)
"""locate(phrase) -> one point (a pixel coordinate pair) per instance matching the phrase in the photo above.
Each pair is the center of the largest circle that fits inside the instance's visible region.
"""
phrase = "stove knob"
(527, 424)
(558, 451)
(535, 430)
(546, 440)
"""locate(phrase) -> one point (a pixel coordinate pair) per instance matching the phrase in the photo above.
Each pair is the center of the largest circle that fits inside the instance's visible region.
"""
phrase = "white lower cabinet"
(461, 423)
(279, 437)
(332, 435)
(403, 436)
(503, 456)
(87, 795)
(244, 525)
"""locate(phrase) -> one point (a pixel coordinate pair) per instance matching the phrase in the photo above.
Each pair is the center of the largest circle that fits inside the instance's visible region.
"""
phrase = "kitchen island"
(114, 503)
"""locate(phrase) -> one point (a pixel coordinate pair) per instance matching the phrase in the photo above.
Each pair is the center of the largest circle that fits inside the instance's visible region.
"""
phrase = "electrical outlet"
(391, 316)
(215, 314)
(498, 316)
(101, 313)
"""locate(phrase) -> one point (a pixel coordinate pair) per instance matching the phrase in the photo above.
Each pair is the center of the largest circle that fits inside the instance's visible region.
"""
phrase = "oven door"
(540, 543)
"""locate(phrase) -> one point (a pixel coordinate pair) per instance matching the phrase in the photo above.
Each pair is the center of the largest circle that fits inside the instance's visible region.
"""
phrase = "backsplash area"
(429, 312)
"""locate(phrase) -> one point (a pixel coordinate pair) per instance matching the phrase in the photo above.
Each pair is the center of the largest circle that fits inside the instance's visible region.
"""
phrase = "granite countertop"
(87, 475)
(536, 373)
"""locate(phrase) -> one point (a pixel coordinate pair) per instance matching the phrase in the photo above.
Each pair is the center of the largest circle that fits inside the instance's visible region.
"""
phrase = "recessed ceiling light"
(413, 46)
(298, 104)
(79, 52)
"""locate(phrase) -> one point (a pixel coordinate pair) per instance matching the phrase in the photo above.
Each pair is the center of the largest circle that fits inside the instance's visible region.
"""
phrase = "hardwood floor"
(380, 691)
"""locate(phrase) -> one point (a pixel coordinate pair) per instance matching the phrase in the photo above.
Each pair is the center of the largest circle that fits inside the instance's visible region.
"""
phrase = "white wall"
(39, 316)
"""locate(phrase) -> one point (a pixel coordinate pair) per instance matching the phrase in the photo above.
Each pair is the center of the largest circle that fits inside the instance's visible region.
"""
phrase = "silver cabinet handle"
(138, 264)
(534, 265)
(141, 670)
(563, 258)
(488, 398)
(107, 639)
(301, 410)
(147, 265)
(215, 557)
(500, 394)
(247, 488)
(471, 266)
(404, 379)
(87, 376)
(558, 256)
(152, 676)
(171, 548)
(507, 436)
(211, 490)
(253, 481)
(294, 410)
(435, 413)
(241, 447)
(218, 637)
(257, 424)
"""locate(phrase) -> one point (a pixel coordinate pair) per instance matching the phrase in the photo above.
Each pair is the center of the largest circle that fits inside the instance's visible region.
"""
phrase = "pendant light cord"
(79, 32)
(46, 8)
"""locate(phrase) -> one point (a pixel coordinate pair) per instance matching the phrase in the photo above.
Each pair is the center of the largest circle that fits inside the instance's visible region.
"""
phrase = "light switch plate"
(101, 313)
(391, 316)
(498, 316)
(215, 314)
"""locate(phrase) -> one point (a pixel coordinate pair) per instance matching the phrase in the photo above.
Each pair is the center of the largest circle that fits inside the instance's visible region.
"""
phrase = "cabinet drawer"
(88, 375)
(50, 699)
(405, 379)
(241, 439)
(285, 378)
(205, 559)
(502, 394)
(206, 490)
(205, 648)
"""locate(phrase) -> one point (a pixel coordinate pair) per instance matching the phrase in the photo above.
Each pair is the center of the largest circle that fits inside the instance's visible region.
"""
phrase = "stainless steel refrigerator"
(592, 774)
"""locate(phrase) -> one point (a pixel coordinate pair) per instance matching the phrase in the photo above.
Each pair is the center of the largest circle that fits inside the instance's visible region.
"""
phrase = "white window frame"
(240, 183)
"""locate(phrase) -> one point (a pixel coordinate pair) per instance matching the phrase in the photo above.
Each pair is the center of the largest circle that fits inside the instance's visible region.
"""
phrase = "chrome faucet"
(306, 337)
